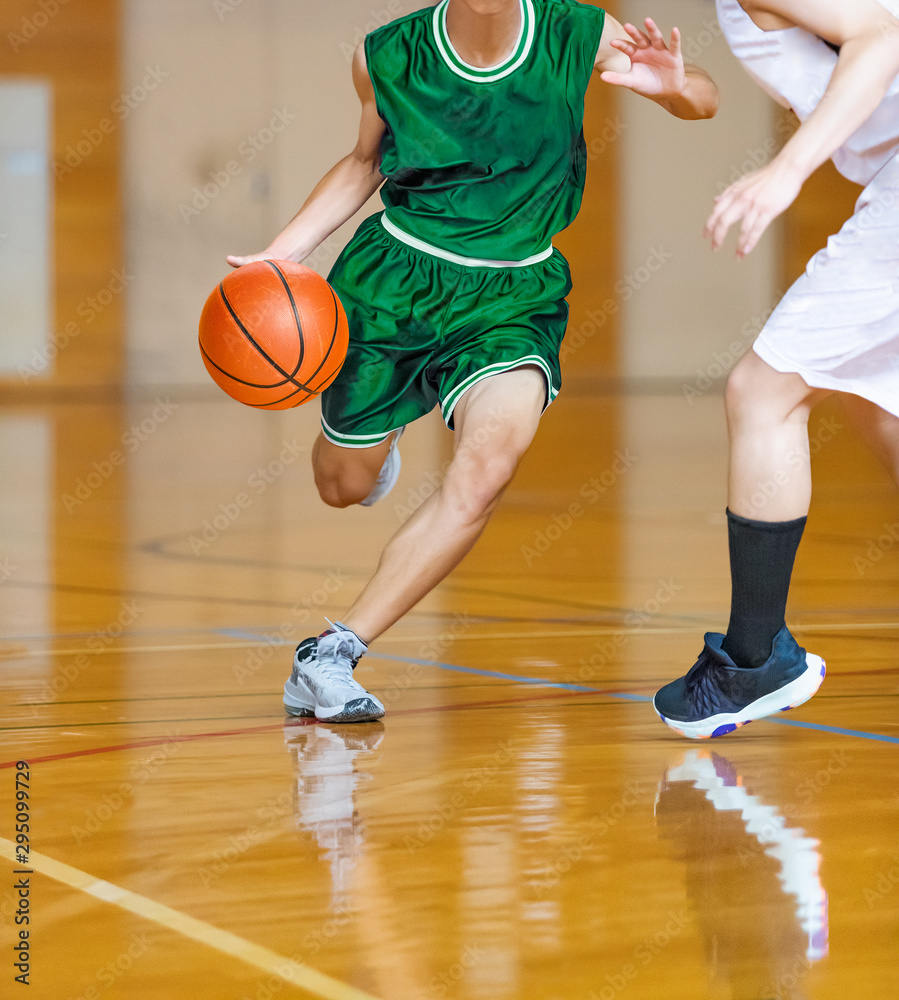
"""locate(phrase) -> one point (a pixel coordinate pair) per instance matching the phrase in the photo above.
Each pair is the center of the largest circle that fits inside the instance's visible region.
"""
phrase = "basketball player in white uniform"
(835, 63)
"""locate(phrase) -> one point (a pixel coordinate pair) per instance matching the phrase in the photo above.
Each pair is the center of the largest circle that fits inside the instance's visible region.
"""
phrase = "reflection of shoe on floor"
(390, 472)
(741, 825)
(326, 773)
(321, 683)
(326, 783)
(716, 696)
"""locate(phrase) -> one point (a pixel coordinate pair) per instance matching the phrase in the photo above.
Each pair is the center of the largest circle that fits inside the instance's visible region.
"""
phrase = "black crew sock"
(761, 564)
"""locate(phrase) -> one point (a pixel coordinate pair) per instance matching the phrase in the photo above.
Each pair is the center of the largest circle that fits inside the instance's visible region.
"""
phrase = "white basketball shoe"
(321, 683)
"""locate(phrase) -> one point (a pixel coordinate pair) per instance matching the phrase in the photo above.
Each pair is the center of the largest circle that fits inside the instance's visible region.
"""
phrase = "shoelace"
(336, 662)
(701, 682)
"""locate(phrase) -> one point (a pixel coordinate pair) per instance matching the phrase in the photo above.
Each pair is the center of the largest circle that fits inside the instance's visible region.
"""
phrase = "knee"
(759, 395)
(742, 395)
(475, 482)
(341, 491)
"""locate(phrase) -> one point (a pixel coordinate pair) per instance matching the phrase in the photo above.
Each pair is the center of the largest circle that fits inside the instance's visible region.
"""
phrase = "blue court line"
(511, 677)
(860, 734)
(857, 733)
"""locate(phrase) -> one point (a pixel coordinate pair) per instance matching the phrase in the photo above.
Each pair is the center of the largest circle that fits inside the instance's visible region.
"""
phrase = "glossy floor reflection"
(520, 826)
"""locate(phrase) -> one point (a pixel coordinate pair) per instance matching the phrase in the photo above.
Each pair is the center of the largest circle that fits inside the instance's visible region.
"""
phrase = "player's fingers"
(628, 48)
(236, 261)
(675, 46)
(754, 226)
(731, 214)
(640, 40)
(722, 203)
(617, 79)
(656, 38)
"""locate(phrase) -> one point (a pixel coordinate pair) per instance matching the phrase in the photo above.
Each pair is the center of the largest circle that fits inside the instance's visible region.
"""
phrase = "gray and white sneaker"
(390, 472)
(321, 684)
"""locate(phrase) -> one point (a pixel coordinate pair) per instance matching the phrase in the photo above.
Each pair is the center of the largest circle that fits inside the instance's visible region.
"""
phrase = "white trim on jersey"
(485, 74)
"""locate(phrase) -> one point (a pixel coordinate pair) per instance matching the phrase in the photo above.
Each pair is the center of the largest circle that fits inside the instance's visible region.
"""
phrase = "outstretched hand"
(755, 200)
(657, 69)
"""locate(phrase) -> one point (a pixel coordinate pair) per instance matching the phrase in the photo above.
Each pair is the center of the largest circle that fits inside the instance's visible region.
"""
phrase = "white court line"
(265, 640)
(270, 962)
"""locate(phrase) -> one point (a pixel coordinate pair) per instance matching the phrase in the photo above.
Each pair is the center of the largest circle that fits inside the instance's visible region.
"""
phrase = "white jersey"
(795, 68)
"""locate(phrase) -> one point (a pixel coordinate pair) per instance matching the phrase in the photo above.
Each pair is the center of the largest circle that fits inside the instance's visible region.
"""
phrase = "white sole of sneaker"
(298, 701)
(796, 693)
(357, 710)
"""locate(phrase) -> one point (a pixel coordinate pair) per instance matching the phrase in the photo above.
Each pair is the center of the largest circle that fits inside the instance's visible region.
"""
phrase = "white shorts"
(838, 326)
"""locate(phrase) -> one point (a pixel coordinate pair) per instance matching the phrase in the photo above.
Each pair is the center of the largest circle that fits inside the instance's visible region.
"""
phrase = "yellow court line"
(432, 637)
(270, 962)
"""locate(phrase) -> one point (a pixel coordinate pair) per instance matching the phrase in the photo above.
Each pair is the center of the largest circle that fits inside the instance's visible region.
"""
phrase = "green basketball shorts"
(425, 328)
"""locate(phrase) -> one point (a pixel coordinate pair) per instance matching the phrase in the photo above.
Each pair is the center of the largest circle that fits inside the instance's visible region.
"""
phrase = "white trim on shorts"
(455, 258)
(458, 391)
(354, 440)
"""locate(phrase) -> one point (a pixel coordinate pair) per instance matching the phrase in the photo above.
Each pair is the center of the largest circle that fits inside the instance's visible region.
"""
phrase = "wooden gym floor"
(520, 826)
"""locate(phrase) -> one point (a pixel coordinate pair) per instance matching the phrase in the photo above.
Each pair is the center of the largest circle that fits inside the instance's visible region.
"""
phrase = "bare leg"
(879, 429)
(767, 417)
(495, 422)
(345, 476)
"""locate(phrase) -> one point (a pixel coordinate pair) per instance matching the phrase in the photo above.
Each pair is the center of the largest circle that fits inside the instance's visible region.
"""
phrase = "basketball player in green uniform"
(472, 120)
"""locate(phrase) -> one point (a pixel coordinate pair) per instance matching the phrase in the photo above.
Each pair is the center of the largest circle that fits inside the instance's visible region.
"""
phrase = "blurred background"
(143, 140)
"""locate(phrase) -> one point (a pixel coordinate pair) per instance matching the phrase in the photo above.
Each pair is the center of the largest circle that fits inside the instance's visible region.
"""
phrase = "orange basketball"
(273, 334)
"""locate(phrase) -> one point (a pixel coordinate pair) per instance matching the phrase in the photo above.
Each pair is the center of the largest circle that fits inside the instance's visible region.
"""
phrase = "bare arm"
(869, 62)
(642, 62)
(342, 191)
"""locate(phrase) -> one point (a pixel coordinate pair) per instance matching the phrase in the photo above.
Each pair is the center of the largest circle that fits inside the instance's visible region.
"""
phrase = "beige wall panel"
(75, 47)
(255, 103)
(682, 305)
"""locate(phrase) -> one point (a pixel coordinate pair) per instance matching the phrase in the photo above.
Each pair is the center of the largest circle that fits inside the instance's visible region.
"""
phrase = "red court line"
(137, 744)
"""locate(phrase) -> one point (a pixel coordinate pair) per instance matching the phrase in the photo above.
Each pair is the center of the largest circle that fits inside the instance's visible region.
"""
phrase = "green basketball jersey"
(485, 163)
